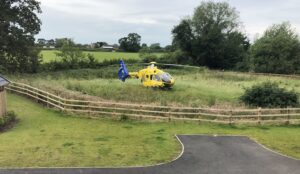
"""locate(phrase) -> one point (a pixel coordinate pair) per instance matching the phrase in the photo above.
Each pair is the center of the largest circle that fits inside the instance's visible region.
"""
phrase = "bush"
(124, 118)
(176, 57)
(269, 94)
(7, 119)
(147, 58)
(89, 62)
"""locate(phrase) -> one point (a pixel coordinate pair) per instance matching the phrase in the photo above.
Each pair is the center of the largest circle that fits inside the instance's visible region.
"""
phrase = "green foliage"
(7, 119)
(124, 118)
(18, 25)
(277, 51)
(147, 58)
(89, 62)
(269, 94)
(131, 43)
(212, 37)
(71, 55)
(59, 42)
(176, 57)
(183, 36)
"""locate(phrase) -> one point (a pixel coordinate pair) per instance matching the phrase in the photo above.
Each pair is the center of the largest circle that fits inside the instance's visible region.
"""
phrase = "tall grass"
(193, 87)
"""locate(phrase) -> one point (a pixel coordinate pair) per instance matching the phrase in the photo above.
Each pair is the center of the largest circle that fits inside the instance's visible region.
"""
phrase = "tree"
(155, 47)
(131, 43)
(70, 54)
(277, 51)
(100, 44)
(144, 45)
(169, 48)
(59, 42)
(183, 36)
(18, 25)
(212, 37)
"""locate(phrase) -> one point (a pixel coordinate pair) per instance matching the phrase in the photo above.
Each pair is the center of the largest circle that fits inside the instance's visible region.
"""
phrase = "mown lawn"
(44, 138)
(49, 55)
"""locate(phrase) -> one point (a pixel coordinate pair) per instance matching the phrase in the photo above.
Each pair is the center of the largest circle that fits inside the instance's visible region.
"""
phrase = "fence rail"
(223, 116)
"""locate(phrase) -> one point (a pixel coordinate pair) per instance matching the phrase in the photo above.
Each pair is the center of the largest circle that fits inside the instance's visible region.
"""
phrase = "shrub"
(7, 119)
(269, 94)
(124, 118)
(176, 57)
(89, 62)
(147, 58)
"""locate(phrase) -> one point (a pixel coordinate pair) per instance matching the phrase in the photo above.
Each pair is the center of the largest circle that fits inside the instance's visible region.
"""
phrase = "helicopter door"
(147, 80)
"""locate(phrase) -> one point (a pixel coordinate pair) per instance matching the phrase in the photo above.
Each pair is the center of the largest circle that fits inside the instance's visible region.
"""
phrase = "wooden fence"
(96, 108)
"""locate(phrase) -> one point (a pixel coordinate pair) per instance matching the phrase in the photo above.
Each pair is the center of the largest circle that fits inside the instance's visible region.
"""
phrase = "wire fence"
(98, 108)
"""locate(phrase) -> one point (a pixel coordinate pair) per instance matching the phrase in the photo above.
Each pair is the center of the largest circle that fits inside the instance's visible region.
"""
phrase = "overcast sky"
(88, 21)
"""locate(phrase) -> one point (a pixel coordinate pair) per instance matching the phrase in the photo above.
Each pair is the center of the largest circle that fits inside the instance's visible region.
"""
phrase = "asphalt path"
(200, 155)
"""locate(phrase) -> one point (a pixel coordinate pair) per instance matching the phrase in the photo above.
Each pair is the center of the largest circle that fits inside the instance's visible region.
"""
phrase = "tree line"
(211, 37)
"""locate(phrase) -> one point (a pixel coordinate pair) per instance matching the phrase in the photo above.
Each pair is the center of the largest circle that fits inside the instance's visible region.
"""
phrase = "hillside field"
(49, 55)
(193, 87)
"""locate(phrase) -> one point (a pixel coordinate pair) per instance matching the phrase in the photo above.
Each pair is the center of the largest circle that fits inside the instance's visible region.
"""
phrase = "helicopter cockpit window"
(166, 77)
(156, 77)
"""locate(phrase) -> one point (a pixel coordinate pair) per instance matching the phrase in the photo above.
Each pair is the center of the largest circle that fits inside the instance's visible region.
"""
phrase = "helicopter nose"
(172, 82)
(169, 82)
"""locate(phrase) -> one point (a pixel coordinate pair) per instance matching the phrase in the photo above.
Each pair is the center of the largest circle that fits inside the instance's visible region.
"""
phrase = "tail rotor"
(123, 72)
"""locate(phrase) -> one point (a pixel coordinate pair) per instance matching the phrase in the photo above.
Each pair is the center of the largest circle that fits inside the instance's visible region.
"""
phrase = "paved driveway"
(201, 155)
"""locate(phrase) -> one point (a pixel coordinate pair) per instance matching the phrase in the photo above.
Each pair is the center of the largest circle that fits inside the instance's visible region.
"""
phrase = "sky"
(88, 21)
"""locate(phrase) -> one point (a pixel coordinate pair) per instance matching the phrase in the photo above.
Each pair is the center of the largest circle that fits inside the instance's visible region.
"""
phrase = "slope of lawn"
(48, 138)
(49, 55)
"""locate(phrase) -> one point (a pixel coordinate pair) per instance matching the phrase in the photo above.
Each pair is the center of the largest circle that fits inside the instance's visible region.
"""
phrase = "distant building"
(49, 47)
(108, 47)
(47, 44)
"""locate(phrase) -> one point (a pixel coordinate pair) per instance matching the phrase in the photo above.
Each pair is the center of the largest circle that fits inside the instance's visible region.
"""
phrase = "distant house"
(48, 47)
(3, 82)
(108, 47)
(42, 41)
(46, 44)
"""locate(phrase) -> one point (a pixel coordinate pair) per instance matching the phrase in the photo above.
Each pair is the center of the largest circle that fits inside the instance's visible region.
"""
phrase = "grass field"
(44, 138)
(49, 55)
(193, 87)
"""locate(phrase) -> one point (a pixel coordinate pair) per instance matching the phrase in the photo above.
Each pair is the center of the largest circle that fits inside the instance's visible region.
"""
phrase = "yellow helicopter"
(150, 76)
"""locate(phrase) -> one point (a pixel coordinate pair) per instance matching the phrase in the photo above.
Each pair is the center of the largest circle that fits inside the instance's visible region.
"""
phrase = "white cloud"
(91, 20)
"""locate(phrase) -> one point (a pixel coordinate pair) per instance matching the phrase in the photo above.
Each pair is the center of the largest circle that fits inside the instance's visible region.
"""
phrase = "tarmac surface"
(201, 155)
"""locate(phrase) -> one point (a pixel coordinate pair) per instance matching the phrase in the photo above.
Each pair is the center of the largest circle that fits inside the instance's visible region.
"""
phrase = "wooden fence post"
(61, 103)
(89, 108)
(259, 115)
(288, 115)
(230, 117)
(65, 104)
(47, 99)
